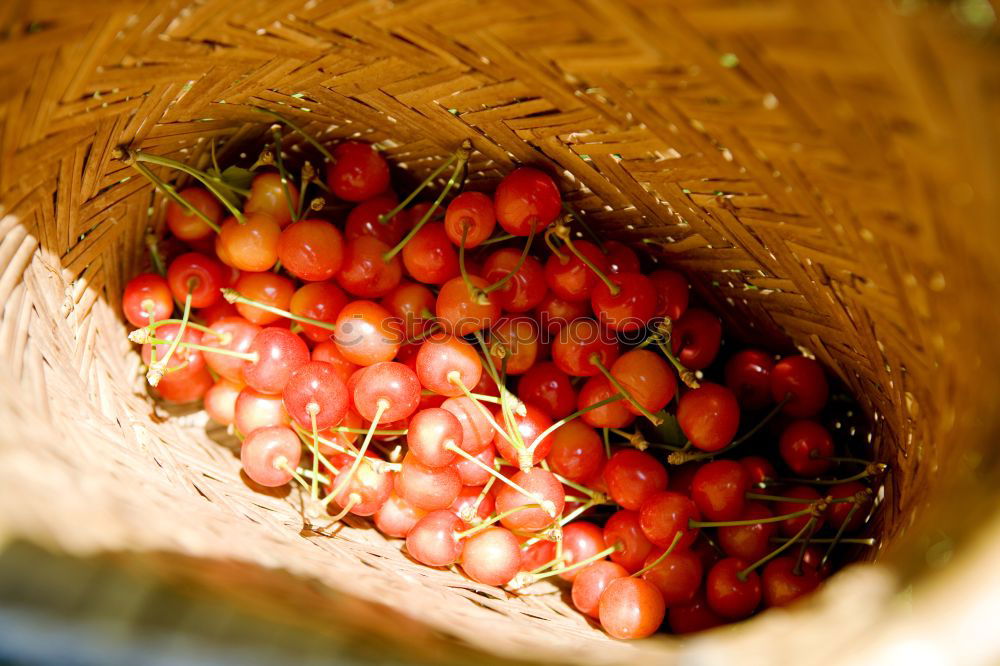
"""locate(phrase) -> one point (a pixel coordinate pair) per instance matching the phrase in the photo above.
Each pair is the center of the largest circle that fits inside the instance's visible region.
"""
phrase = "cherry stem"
(493, 520)
(153, 246)
(346, 450)
(461, 262)
(664, 333)
(385, 217)
(577, 565)
(586, 227)
(845, 459)
(296, 128)
(234, 297)
(383, 405)
(544, 504)
(659, 560)
(594, 495)
(681, 457)
(473, 511)
(607, 444)
(509, 403)
(497, 239)
(162, 322)
(873, 469)
(172, 194)
(313, 409)
(462, 158)
(427, 332)
(551, 563)
(799, 500)
(561, 422)
(520, 262)
(314, 449)
(807, 528)
(840, 533)
(211, 184)
(861, 541)
(282, 464)
(246, 356)
(562, 232)
(753, 521)
(276, 133)
(478, 396)
(156, 368)
(306, 176)
(352, 499)
(553, 248)
(595, 359)
(308, 474)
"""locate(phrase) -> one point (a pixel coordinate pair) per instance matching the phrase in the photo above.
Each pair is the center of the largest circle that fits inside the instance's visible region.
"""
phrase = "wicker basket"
(826, 172)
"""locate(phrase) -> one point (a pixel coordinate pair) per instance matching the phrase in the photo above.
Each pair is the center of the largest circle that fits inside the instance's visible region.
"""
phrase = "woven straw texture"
(824, 171)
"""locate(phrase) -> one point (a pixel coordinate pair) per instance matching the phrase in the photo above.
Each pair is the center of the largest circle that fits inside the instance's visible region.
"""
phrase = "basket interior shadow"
(796, 164)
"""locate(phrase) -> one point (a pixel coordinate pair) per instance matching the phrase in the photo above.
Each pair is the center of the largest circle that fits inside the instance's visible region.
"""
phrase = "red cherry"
(748, 374)
(358, 173)
(672, 293)
(202, 275)
(363, 220)
(621, 258)
(838, 512)
(184, 362)
(570, 278)
(549, 388)
(612, 415)
(390, 384)
(719, 489)
(537, 554)
(577, 342)
(317, 300)
(220, 401)
(749, 542)
(664, 514)
(577, 452)
(524, 199)
(254, 410)
(441, 355)
(412, 304)
(364, 272)
(315, 389)
(782, 585)
(268, 453)
(465, 503)
(433, 540)
(624, 530)
(803, 382)
(429, 434)
(144, 295)
(591, 582)
(792, 526)
(519, 339)
(216, 311)
(472, 211)
(460, 312)
(631, 608)
(760, 470)
(477, 432)
(693, 617)
(648, 379)
(187, 387)
(253, 245)
(530, 426)
(696, 338)
(429, 256)
(329, 353)
(311, 250)
(709, 416)
(729, 596)
(396, 517)
(628, 310)
(364, 333)
(491, 557)
(366, 491)
(427, 488)
(554, 314)
(473, 474)
(524, 289)
(267, 288)
(580, 541)
(268, 195)
(677, 576)
(279, 353)
(806, 447)
(542, 484)
(188, 226)
(634, 476)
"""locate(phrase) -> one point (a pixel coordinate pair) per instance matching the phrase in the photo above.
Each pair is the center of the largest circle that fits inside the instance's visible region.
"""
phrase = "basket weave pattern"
(795, 158)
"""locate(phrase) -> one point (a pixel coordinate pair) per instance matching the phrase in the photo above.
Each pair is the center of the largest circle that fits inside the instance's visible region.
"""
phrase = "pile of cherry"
(520, 402)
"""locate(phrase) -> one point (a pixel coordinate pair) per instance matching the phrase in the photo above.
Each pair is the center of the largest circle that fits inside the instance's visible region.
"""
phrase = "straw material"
(825, 171)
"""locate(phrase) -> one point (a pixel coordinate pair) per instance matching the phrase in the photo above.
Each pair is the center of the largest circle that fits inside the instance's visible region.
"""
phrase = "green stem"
(561, 422)
(659, 560)
(586, 227)
(497, 239)
(276, 133)
(295, 127)
(839, 534)
(382, 406)
(172, 194)
(385, 217)
(152, 244)
(563, 233)
(808, 527)
(246, 356)
(520, 262)
(156, 370)
(493, 520)
(234, 297)
(753, 521)
(595, 358)
(577, 565)
(211, 186)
